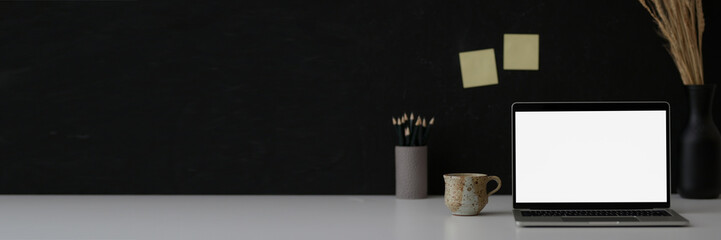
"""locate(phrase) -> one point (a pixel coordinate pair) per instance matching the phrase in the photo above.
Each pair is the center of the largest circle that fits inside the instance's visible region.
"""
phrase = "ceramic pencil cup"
(466, 194)
(411, 172)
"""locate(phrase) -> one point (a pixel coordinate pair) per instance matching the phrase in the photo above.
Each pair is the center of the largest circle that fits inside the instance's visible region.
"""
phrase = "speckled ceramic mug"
(466, 193)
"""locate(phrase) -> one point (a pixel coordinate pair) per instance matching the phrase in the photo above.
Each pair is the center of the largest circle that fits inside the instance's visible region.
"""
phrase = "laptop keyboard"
(568, 213)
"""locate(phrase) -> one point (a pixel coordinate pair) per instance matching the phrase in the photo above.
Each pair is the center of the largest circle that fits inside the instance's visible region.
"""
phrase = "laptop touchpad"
(599, 219)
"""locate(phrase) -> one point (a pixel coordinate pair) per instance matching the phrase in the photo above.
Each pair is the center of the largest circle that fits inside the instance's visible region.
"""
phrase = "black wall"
(267, 98)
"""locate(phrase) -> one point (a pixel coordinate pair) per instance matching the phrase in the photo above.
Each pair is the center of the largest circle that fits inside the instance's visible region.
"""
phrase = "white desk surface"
(303, 217)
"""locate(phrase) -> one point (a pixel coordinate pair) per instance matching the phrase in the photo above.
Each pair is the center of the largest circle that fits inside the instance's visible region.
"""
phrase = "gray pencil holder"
(411, 172)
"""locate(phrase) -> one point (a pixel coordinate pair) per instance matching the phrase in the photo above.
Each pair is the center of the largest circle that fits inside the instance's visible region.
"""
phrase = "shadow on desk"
(592, 233)
(494, 213)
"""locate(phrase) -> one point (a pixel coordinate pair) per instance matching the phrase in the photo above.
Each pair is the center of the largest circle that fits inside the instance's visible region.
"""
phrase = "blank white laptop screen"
(590, 156)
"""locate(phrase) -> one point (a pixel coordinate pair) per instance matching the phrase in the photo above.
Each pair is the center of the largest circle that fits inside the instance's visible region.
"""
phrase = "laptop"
(592, 164)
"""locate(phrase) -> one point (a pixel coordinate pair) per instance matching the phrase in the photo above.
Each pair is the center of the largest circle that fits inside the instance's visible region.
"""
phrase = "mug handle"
(498, 180)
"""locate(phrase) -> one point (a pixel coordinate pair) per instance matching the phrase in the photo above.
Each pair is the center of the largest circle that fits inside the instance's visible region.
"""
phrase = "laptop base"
(675, 220)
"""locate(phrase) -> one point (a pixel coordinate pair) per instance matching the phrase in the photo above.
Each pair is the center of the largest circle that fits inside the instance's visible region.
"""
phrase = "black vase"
(700, 166)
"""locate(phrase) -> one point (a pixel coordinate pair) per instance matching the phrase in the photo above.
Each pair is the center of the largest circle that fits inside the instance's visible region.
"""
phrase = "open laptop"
(592, 164)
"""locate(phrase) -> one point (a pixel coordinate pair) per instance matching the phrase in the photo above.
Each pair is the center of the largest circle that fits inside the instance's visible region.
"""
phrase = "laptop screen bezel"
(591, 106)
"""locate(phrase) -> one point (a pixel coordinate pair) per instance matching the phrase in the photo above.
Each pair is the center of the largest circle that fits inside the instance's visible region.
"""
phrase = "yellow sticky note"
(520, 51)
(478, 68)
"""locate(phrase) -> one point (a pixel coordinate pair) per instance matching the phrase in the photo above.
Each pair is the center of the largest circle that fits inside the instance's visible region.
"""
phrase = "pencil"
(397, 126)
(415, 136)
(421, 135)
(428, 129)
(402, 124)
(407, 134)
(410, 123)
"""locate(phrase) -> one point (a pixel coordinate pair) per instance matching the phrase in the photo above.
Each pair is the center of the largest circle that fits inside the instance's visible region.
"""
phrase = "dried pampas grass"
(681, 23)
